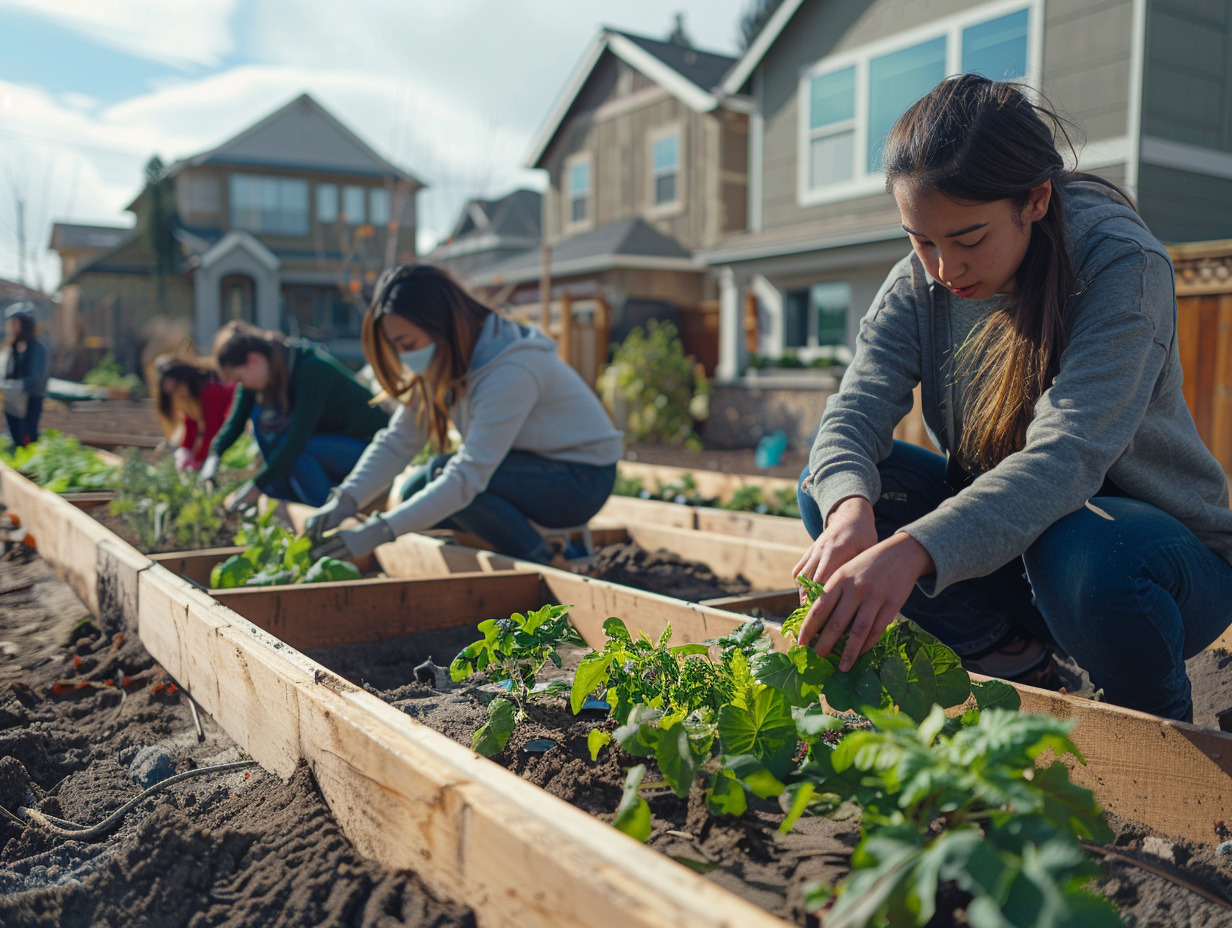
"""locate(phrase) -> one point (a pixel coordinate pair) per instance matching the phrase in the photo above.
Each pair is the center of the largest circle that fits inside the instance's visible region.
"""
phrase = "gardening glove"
(351, 543)
(245, 496)
(339, 506)
(209, 470)
(183, 458)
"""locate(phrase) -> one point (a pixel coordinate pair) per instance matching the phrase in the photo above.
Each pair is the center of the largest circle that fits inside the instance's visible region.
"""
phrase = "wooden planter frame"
(410, 797)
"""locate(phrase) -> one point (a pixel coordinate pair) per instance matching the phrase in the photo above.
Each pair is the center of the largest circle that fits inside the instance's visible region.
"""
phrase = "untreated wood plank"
(754, 526)
(709, 483)
(410, 797)
(322, 615)
(766, 565)
(195, 565)
(621, 510)
(776, 602)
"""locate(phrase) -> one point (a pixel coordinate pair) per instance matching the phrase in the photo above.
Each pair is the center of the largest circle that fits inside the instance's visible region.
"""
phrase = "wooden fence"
(1204, 334)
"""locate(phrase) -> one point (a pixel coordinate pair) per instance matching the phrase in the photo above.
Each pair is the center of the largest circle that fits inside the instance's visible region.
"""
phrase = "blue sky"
(454, 92)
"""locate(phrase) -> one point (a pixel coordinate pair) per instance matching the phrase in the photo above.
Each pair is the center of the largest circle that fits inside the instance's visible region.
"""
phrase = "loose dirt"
(234, 849)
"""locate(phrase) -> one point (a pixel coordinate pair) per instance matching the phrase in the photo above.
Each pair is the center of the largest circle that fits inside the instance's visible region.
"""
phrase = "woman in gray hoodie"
(1074, 503)
(536, 443)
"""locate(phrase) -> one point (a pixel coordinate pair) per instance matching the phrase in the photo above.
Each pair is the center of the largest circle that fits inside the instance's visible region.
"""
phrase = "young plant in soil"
(168, 509)
(273, 556)
(513, 652)
(60, 463)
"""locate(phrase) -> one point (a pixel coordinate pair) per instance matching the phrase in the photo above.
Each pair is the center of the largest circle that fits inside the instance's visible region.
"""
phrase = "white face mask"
(417, 361)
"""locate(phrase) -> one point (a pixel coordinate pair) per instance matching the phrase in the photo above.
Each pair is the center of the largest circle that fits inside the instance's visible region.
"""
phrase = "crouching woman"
(536, 444)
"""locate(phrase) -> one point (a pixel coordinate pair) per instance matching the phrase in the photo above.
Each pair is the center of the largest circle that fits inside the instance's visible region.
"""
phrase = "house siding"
(1086, 59)
(1187, 81)
(1181, 206)
(618, 141)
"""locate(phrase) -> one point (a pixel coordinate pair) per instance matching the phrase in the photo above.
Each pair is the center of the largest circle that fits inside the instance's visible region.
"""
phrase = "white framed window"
(378, 206)
(354, 202)
(850, 101)
(327, 203)
(273, 205)
(665, 179)
(578, 211)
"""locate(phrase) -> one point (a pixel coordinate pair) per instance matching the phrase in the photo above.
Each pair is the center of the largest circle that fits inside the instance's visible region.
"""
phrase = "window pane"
(832, 98)
(353, 205)
(379, 203)
(665, 154)
(895, 81)
(998, 48)
(665, 188)
(292, 214)
(831, 301)
(795, 319)
(832, 159)
(327, 203)
(579, 179)
(577, 209)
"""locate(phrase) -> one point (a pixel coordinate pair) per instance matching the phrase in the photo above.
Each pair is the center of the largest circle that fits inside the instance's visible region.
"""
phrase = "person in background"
(536, 445)
(191, 403)
(1075, 504)
(311, 418)
(25, 374)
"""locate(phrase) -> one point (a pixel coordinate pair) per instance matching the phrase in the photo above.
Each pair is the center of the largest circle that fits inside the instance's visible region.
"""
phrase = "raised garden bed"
(490, 837)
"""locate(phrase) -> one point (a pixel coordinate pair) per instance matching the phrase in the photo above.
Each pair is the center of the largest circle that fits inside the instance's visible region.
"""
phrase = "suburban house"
(284, 226)
(646, 167)
(1145, 83)
(489, 231)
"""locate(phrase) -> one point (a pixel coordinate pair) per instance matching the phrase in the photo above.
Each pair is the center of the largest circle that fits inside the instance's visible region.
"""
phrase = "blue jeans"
(24, 429)
(1124, 588)
(524, 487)
(322, 465)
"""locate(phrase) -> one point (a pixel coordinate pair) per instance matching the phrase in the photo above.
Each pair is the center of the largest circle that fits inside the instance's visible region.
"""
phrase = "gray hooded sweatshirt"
(520, 396)
(1115, 408)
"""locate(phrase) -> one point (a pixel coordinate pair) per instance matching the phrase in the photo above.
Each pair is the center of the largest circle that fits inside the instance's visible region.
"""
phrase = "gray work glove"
(247, 495)
(209, 470)
(351, 543)
(338, 507)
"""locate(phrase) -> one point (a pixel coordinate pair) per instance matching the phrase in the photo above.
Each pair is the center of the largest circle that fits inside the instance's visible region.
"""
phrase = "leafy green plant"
(242, 455)
(514, 651)
(108, 373)
(663, 391)
(60, 463)
(274, 556)
(168, 509)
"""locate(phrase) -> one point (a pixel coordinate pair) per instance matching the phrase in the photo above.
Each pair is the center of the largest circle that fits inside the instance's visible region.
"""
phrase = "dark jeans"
(322, 465)
(1120, 585)
(525, 487)
(24, 429)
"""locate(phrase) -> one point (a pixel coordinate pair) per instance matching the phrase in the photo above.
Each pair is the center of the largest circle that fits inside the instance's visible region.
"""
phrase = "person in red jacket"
(192, 403)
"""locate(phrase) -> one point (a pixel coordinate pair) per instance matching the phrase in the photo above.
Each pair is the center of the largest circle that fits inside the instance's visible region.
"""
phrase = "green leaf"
(675, 758)
(1072, 808)
(763, 728)
(795, 800)
(329, 570)
(856, 689)
(811, 721)
(596, 741)
(592, 673)
(233, 572)
(615, 629)
(295, 557)
(995, 694)
(756, 778)
(633, 814)
(492, 737)
(727, 796)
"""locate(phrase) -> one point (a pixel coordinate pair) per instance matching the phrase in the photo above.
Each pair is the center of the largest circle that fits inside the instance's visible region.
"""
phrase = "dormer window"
(665, 169)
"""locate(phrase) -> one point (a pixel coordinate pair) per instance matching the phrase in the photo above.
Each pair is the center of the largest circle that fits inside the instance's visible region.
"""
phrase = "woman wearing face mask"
(311, 418)
(1075, 503)
(536, 443)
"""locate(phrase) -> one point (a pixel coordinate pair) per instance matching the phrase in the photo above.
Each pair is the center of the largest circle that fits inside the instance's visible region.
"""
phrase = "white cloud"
(176, 33)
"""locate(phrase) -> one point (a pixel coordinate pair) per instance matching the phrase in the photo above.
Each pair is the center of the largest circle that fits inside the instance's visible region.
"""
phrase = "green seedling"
(60, 463)
(274, 556)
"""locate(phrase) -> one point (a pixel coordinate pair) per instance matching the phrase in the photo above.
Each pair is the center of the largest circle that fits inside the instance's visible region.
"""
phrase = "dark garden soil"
(662, 572)
(237, 849)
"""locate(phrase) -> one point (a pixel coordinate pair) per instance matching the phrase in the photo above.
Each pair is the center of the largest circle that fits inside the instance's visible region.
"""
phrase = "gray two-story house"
(285, 225)
(1145, 82)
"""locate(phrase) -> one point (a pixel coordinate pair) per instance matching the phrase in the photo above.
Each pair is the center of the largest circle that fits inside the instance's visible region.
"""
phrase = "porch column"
(731, 328)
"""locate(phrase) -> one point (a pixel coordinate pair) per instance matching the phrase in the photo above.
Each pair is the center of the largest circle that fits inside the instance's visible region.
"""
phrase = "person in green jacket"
(311, 418)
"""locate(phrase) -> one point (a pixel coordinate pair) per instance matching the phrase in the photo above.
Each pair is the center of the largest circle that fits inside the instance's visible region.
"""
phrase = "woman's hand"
(863, 595)
(850, 530)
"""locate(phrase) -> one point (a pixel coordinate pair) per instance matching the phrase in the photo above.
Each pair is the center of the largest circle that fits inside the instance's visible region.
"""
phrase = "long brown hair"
(194, 373)
(971, 138)
(236, 340)
(432, 300)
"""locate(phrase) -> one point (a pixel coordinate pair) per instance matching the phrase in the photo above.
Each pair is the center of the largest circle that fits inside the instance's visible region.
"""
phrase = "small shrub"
(662, 389)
